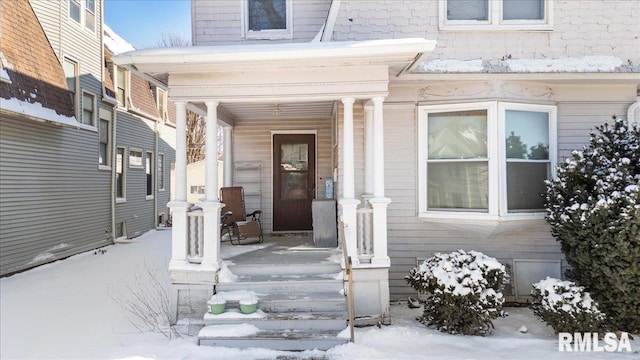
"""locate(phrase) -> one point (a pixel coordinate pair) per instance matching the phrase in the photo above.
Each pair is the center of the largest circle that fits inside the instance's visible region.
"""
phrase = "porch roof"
(160, 62)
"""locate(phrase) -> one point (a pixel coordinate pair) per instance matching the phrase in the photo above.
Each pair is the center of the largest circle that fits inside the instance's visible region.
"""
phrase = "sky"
(142, 22)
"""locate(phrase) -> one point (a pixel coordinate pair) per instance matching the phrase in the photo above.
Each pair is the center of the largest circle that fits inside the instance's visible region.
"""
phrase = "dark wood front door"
(294, 181)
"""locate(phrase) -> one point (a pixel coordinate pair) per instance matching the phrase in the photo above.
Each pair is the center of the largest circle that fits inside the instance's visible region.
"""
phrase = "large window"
(148, 168)
(498, 14)
(83, 12)
(267, 19)
(88, 109)
(70, 68)
(485, 159)
(120, 174)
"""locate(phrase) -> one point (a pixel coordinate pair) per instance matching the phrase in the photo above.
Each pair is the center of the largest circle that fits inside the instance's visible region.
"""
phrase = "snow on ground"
(66, 310)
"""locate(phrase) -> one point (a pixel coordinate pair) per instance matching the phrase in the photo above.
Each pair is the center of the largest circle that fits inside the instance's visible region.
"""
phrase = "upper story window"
(88, 108)
(267, 19)
(487, 160)
(496, 14)
(104, 133)
(70, 68)
(83, 12)
(121, 86)
(161, 101)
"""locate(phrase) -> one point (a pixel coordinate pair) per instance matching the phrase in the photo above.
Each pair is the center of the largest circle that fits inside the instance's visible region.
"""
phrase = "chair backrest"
(233, 199)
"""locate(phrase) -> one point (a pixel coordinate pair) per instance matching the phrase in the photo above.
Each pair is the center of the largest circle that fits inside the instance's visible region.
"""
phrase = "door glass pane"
(468, 10)
(523, 9)
(267, 15)
(293, 185)
(294, 157)
(527, 135)
(525, 185)
(457, 135)
(458, 185)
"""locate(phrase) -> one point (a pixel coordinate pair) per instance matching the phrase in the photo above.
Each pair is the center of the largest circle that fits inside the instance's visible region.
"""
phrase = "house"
(68, 149)
(196, 180)
(438, 122)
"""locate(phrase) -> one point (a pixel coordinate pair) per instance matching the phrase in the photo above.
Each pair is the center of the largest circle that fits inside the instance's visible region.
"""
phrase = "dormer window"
(121, 86)
(161, 100)
(267, 19)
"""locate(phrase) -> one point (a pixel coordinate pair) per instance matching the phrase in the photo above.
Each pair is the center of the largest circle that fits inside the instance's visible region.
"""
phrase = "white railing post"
(348, 203)
(179, 206)
(379, 202)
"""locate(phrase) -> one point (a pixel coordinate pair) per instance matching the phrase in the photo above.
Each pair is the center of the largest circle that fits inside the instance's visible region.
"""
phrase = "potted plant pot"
(248, 305)
(216, 304)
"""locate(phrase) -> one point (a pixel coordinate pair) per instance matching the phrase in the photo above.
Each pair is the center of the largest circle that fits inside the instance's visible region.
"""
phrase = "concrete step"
(298, 302)
(280, 269)
(268, 285)
(281, 321)
(275, 340)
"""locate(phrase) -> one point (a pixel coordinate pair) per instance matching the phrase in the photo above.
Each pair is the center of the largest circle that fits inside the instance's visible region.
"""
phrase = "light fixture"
(276, 111)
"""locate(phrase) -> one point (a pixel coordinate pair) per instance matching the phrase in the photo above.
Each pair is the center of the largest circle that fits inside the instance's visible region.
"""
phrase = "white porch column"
(379, 202)
(348, 203)
(368, 149)
(179, 206)
(211, 206)
(228, 156)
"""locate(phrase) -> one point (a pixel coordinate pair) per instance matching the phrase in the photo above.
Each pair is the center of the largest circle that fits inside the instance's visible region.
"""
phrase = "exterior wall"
(580, 108)
(252, 143)
(580, 28)
(196, 174)
(219, 22)
(55, 201)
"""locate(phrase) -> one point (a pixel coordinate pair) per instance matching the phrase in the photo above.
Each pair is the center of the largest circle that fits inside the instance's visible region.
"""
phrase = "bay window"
(486, 159)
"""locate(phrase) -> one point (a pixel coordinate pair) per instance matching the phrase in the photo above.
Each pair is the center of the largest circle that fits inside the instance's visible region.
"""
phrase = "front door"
(294, 181)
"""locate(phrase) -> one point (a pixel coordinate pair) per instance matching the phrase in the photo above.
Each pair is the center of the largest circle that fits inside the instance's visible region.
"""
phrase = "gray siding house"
(58, 124)
(437, 121)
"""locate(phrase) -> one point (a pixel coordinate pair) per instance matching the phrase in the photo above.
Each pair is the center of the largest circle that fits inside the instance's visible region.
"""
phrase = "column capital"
(378, 99)
(212, 104)
(348, 100)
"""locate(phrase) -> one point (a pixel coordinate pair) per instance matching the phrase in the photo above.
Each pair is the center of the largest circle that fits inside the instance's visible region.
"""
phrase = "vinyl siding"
(252, 143)
(55, 201)
(220, 22)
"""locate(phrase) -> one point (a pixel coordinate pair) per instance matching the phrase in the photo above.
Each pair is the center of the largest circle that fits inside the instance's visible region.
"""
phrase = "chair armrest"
(255, 215)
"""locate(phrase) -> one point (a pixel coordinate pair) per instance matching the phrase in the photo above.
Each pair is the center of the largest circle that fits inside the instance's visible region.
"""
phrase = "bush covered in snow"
(463, 291)
(566, 307)
(593, 207)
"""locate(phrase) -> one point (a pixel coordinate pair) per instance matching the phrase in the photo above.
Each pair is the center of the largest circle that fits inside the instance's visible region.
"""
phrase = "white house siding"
(219, 22)
(580, 28)
(252, 143)
(580, 108)
(55, 201)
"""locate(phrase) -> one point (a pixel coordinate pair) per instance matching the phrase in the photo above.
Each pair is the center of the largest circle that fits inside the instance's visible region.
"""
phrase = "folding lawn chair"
(240, 227)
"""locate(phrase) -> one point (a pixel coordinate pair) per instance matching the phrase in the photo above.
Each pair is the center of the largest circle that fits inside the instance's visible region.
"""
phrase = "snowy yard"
(67, 310)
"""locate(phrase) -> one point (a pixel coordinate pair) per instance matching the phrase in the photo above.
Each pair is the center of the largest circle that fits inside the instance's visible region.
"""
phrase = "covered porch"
(313, 88)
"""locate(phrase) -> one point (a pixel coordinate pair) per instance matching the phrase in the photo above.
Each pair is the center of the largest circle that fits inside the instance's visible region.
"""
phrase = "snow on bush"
(566, 307)
(463, 291)
(593, 207)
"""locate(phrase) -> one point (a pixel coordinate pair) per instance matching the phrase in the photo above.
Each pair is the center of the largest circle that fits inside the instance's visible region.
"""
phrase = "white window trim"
(141, 166)
(267, 34)
(127, 82)
(77, 92)
(124, 175)
(109, 144)
(161, 98)
(152, 166)
(83, 16)
(497, 178)
(495, 21)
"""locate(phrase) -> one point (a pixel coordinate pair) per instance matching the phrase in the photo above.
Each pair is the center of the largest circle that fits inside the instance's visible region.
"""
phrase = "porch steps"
(301, 307)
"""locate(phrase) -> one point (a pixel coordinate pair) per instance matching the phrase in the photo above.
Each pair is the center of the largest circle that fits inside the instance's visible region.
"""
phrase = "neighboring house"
(438, 121)
(196, 181)
(59, 153)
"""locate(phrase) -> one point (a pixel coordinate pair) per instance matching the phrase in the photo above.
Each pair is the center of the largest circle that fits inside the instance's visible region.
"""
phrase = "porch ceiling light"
(276, 111)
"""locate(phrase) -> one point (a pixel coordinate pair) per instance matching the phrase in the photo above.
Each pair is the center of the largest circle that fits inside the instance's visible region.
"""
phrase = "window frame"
(160, 168)
(92, 12)
(123, 198)
(287, 33)
(124, 87)
(135, 166)
(495, 19)
(497, 161)
(94, 104)
(76, 91)
(149, 170)
(161, 103)
(108, 161)
(79, 5)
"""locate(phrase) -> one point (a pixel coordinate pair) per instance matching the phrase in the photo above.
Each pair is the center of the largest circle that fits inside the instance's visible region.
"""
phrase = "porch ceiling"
(295, 110)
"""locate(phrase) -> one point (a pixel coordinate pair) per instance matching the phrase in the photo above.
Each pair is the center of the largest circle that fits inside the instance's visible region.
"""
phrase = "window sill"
(149, 197)
(501, 27)
(162, 190)
(484, 224)
(267, 35)
(121, 200)
(104, 167)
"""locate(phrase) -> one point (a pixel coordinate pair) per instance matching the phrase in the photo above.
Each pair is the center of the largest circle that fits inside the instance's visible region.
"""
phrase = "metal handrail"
(349, 271)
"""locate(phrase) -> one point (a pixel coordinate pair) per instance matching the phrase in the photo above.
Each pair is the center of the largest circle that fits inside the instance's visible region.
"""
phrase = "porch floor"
(297, 248)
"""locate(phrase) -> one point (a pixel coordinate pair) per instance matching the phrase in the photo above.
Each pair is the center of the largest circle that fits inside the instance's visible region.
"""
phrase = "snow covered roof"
(114, 42)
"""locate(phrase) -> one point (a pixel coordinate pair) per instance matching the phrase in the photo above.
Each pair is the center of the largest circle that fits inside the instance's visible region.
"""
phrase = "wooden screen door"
(294, 181)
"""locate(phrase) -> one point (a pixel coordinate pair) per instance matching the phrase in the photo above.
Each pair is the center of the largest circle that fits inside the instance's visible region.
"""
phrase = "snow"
(451, 66)
(581, 64)
(114, 42)
(66, 310)
(230, 330)
(36, 110)
(236, 314)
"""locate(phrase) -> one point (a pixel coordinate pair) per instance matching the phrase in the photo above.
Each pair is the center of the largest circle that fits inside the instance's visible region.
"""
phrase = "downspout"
(154, 179)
